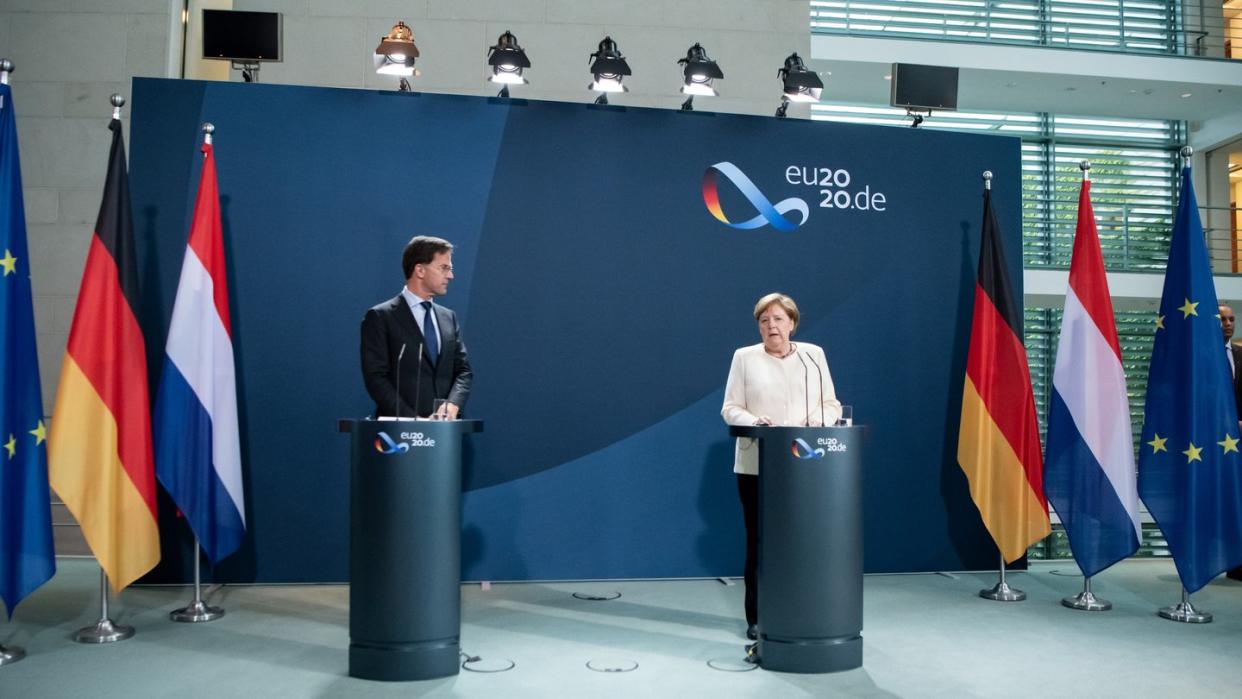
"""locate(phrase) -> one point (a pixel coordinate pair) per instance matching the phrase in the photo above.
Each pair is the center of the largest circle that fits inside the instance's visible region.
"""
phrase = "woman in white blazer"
(776, 382)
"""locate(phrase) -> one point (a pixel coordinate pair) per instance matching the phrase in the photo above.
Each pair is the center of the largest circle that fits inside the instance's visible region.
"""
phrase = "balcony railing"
(1132, 238)
(1132, 26)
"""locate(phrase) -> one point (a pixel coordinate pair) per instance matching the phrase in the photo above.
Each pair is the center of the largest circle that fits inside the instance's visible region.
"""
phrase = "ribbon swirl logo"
(385, 445)
(802, 450)
(768, 213)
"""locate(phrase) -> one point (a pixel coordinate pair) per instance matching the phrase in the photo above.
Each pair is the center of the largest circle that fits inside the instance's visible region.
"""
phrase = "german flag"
(99, 452)
(998, 441)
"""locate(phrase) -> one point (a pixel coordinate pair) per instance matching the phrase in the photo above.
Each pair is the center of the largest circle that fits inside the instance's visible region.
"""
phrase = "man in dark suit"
(396, 332)
(1227, 322)
(1234, 353)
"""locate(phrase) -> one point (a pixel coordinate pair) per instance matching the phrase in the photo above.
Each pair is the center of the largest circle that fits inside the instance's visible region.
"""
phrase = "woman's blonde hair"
(791, 308)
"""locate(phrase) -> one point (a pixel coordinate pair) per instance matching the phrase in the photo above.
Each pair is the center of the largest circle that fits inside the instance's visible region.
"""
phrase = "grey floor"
(925, 636)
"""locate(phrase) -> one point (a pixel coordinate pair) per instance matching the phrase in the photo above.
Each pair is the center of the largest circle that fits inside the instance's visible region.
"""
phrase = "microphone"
(822, 418)
(806, 388)
(418, 379)
(398, 401)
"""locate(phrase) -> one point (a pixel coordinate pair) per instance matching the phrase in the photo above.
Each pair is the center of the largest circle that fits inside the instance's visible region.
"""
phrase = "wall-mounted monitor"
(923, 87)
(245, 37)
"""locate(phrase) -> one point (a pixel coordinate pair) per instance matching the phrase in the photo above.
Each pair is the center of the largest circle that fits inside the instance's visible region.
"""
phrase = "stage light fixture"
(396, 53)
(799, 84)
(699, 73)
(608, 67)
(507, 60)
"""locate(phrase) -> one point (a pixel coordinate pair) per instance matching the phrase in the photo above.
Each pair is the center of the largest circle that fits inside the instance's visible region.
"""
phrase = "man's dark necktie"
(430, 338)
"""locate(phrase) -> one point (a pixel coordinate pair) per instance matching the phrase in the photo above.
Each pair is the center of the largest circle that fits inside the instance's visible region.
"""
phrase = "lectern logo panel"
(385, 445)
(802, 450)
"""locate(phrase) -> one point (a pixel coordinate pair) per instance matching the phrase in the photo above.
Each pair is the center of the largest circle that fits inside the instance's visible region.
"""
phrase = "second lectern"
(810, 547)
(405, 548)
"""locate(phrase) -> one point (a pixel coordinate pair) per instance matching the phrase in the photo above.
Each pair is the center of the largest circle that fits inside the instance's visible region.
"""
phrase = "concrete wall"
(70, 55)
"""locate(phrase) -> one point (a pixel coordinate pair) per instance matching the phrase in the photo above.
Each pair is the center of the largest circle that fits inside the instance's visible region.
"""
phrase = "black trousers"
(748, 493)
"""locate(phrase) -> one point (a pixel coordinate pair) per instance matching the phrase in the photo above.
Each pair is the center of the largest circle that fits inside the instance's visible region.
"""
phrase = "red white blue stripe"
(1089, 473)
(197, 447)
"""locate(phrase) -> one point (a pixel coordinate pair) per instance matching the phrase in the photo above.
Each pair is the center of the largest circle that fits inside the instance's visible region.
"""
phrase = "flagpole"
(1086, 601)
(8, 654)
(197, 610)
(1001, 591)
(104, 630)
(1185, 612)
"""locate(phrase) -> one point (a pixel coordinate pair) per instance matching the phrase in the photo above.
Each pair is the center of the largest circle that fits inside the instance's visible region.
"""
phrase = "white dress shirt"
(787, 390)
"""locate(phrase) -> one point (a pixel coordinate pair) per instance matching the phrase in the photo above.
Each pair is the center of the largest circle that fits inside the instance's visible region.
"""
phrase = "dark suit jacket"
(388, 326)
(1236, 573)
(1237, 376)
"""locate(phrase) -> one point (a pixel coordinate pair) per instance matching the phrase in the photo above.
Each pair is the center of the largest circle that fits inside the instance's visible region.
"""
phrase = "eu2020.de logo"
(767, 213)
(385, 445)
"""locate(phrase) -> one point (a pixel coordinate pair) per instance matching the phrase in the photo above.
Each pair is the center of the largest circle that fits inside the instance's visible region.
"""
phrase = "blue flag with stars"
(26, 555)
(1190, 470)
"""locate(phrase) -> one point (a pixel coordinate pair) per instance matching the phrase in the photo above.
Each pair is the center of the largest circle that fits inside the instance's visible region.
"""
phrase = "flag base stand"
(1002, 592)
(1185, 612)
(104, 630)
(197, 610)
(11, 654)
(1086, 601)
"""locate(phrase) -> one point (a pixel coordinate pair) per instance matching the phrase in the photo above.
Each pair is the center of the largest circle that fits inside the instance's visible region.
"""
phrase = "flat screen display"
(241, 36)
(923, 87)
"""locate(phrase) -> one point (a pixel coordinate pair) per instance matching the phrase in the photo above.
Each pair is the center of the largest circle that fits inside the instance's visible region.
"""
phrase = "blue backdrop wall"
(601, 302)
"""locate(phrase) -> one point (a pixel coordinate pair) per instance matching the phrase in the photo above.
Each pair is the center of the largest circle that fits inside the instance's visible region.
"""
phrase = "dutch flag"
(197, 448)
(1089, 474)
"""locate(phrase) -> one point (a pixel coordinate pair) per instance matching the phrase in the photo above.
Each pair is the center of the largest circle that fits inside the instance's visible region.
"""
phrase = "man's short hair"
(421, 250)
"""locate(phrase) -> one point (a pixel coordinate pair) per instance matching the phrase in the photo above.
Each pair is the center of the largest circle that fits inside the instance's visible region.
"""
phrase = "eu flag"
(1190, 470)
(26, 555)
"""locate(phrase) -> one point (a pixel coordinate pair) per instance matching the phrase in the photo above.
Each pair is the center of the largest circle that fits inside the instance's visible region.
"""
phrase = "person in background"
(1234, 353)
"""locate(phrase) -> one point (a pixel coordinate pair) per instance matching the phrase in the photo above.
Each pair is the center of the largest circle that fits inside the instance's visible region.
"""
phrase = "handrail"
(1135, 28)
(1048, 240)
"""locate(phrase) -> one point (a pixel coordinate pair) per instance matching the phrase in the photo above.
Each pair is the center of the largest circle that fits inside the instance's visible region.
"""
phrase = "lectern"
(405, 548)
(810, 547)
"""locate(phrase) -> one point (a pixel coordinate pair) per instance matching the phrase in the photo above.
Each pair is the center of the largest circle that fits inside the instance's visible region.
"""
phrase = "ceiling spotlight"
(699, 73)
(608, 68)
(507, 60)
(800, 84)
(396, 53)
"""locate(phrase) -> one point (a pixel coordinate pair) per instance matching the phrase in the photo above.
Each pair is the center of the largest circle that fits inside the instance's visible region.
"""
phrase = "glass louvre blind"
(1135, 334)
(1134, 174)
(1118, 25)
(1041, 332)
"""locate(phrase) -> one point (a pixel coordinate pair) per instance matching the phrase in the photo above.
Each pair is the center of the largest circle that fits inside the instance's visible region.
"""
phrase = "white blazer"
(788, 391)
